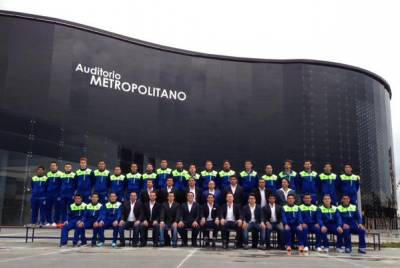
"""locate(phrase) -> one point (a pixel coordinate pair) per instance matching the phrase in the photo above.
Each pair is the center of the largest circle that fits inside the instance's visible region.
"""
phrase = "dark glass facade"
(234, 108)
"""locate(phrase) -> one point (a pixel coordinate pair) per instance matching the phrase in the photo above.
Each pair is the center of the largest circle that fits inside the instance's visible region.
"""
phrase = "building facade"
(68, 90)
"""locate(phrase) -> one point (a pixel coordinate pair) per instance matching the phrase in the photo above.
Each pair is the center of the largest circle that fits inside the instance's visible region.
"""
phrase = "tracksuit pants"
(354, 229)
(254, 228)
(311, 228)
(38, 206)
(65, 231)
(82, 232)
(332, 229)
(294, 231)
(109, 225)
(53, 208)
(165, 237)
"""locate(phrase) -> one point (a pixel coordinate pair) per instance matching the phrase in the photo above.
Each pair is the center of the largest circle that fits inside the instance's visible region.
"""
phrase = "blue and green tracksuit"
(291, 216)
(101, 181)
(180, 177)
(271, 182)
(308, 183)
(330, 218)
(75, 214)
(93, 213)
(53, 197)
(67, 192)
(133, 183)
(197, 178)
(162, 176)
(84, 179)
(291, 176)
(149, 176)
(118, 186)
(249, 181)
(206, 177)
(38, 199)
(351, 216)
(328, 184)
(224, 178)
(309, 216)
(349, 184)
(112, 213)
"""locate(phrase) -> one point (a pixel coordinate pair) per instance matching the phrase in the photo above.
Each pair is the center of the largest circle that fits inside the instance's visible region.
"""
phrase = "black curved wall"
(234, 108)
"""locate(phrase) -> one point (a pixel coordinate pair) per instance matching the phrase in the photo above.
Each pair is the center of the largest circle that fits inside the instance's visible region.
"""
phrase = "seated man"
(93, 214)
(352, 222)
(209, 219)
(272, 218)
(229, 216)
(111, 219)
(151, 218)
(251, 217)
(331, 223)
(169, 219)
(310, 225)
(292, 222)
(189, 217)
(74, 215)
(132, 215)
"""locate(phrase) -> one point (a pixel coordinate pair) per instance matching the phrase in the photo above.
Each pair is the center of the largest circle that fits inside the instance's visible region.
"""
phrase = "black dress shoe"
(224, 245)
(246, 247)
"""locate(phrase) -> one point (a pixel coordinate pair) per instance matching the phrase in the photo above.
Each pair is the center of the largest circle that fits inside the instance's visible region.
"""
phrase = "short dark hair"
(54, 162)
(252, 195)
(40, 167)
(95, 194)
(78, 195)
(288, 161)
(293, 195)
(83, 159)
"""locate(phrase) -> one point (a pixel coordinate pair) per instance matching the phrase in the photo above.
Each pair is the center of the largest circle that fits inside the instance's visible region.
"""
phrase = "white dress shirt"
(230, 216)
(169, 189)
(233, 189)
(131, 216)
(273, 213)
(263, 199)
(252, 211)
(190, 206)
(151, 208)
(210, 207)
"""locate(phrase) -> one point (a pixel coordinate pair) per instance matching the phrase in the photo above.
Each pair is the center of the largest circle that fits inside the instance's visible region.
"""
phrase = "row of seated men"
(52, 203)
(293, 223)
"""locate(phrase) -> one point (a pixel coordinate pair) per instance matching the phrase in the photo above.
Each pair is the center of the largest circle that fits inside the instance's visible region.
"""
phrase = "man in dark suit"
(189, 217)
(132, 215)
(192, 187)
(262, 193)
(165, 191)
(272, 218)
(212, 190)
(252, 219)
(284, 192)
(145, 193)
(229, 216)
(235, 189)
(151, 218)
(169, 219)
(209, 219)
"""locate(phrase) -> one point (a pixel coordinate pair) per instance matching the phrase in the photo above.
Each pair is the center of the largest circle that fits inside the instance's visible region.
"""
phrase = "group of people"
(177, 201)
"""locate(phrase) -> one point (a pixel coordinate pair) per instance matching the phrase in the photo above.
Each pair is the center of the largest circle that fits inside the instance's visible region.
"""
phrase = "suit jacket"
(189, 216)
(155, 215)
(267, 213)
(198, 194)
(144, 196)
(170, 215)
(257, 193)
(164, 194)
(246, 214)
(217, 197)
(137, 210)
(281, 196)
(238, 195)
(205, 211)
(224, 210)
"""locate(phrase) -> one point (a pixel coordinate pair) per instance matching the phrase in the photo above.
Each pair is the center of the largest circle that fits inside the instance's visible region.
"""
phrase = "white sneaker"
(326, 250)
(47, 224)
(319, 249)
(54, 224)
(305, 249)
(340, 250)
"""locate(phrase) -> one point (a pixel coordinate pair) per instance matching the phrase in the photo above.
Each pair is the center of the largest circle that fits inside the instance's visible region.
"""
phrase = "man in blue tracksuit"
(349, 183)
(111, 219)
(180, 176)
(293, 223)
(133, 181)
(38, 198)
(101, 181)
(271, 180)
(248, 179)
(289, 174)
(84, 179)
(224, 175)
(352, 222)
(331, 223)
(207, 175)
(328, 183)
(310, 221)
(53, 198)
(163, 173)
(68, 188)
(75, 215)
(118, 183)
(92, 216)
(149, 174)
(308, 181)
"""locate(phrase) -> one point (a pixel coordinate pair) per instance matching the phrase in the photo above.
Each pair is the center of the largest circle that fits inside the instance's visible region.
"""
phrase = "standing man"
(84, 178)
(193, 173)
(209, 219)
(248, 179)
(101, 181)
(329, 183)
(151, 218)
(145, 194)
(235, 189)
(53, 197)
(262, 193)
(180, 176)
(149, 175)
(74, 215)
(289, 174)
(92, 216)
(169, 219)
(252, 221)
(132, 216)
(350, 184)
(293, 223)
(192, 187)
(118, 183)
(229, 216)
(310, 219)
(283, 193)
(272, 214)
(134, 181)
(207, 175)
(68, 188)
(189, 217)
(163, 197)
(38, 198)
(212, 190)
(308, 181)
(225, 174)
(271, 180)
(163, 173)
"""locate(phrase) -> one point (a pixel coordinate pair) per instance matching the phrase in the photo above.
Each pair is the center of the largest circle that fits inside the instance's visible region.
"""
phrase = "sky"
(362, 33)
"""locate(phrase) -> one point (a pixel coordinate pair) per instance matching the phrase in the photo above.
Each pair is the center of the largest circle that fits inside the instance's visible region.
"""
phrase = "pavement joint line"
(38, 255)
(344, 261)
(186, 258)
